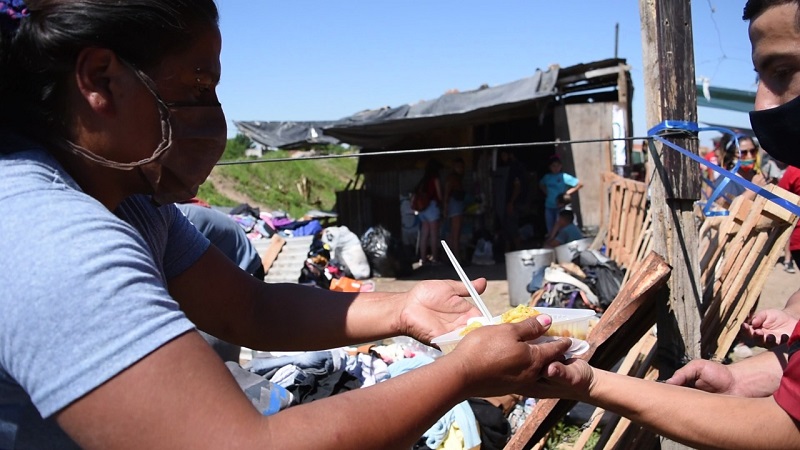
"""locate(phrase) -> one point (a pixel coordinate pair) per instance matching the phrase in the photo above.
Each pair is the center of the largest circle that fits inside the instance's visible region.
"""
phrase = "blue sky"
(323, 60)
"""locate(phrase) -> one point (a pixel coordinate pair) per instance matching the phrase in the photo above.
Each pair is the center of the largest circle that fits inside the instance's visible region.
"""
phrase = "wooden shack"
(582, 102)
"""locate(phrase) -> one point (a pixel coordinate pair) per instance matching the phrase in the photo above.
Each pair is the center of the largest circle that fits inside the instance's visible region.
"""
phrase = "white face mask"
(193, 138)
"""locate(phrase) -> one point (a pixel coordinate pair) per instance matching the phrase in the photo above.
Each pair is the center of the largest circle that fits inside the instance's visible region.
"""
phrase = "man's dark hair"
(37, 57)
(754, 8)
(567, 214)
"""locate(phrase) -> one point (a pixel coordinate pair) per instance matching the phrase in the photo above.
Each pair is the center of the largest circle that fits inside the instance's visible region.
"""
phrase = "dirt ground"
(779, 286)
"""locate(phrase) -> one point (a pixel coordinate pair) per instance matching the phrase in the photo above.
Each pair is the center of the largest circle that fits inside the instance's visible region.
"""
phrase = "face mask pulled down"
(778, 131)
(193, 138)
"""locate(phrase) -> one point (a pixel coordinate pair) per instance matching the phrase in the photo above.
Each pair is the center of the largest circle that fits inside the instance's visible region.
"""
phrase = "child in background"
(564, 230)
(555, 185)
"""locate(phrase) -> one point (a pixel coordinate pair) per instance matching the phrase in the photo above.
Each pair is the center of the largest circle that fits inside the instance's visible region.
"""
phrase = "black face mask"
(778, 131)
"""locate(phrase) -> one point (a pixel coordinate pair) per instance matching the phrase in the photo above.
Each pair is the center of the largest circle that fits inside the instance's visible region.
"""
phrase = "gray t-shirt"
(82, 292)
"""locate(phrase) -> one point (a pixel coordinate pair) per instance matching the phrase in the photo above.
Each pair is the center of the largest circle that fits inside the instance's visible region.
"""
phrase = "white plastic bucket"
(520, 266)
(567, 252)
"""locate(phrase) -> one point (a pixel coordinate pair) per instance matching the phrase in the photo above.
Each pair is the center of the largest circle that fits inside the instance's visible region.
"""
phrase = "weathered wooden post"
(668, 60)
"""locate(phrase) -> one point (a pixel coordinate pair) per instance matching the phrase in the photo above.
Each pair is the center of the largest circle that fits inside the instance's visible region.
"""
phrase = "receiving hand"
(570, 379)
(498, 359)
(706, 376)
(435, 307)
(770, 327)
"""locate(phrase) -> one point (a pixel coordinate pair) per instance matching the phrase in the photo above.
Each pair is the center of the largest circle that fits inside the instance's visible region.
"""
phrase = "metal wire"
(446, 149)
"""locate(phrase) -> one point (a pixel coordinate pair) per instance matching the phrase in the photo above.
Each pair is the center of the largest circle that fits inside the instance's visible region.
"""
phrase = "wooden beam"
(668, 60)
(629, 317)
(670, 94)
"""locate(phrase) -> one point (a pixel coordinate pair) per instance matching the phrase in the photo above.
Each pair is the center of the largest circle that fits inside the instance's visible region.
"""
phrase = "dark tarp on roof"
(286, 134)
(380, 127)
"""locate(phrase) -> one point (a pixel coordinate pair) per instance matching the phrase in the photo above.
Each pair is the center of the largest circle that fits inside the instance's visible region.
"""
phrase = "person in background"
(791, 182)
(564, 230)
(110, 115)
(431, 187)
(749, 169)
(713, 156)
(754, 403)
(516, 199)
(771, 168)
(554, 185)
(227, 235)
(453, 201)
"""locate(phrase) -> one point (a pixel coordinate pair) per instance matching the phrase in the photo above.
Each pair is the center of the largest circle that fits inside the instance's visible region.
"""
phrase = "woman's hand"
(435, 307)
(498, 359)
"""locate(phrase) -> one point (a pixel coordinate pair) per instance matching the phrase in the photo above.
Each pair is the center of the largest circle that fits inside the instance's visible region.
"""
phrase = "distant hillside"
(292, 186)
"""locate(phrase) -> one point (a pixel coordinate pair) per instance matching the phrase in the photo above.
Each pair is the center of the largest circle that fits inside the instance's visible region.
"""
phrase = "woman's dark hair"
(432, 169)
(37, 58)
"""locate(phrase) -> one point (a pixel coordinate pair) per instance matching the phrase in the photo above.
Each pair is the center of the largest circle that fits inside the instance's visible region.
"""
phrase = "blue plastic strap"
(674, 125)
(717, 193)
(778, 200)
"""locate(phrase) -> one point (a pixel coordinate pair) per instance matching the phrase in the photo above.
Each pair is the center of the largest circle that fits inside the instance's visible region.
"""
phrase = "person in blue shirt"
(564, 230)
(556, 184)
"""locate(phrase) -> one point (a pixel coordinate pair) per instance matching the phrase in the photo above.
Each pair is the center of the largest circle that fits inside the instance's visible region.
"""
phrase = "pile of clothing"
(590, 281)
(275, 381)
(261, 224)
(337, 262)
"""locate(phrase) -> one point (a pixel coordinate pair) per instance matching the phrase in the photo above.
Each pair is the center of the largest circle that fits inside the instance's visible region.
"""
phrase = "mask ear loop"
(166, 130)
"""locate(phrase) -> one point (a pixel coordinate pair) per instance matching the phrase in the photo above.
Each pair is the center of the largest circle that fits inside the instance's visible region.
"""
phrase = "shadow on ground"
(446, 271)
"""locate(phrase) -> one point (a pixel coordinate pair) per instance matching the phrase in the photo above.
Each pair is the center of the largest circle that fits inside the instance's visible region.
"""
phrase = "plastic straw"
(476, 298)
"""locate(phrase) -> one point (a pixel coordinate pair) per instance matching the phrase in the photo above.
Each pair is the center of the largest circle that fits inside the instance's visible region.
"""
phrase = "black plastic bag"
(385, 255)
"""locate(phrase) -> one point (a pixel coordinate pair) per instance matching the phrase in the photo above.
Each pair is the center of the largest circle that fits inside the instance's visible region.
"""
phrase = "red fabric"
(430, 188)
(710, 156)
(788, 393)
(791, 182)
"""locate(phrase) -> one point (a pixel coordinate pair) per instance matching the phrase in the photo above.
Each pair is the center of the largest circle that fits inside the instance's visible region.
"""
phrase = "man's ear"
(97, 72)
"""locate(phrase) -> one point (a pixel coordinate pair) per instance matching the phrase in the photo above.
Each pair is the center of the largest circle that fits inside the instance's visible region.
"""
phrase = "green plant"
(563, 433)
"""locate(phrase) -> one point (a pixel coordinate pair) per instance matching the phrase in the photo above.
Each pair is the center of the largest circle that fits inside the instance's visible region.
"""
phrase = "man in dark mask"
(755, 403)
(775, 37)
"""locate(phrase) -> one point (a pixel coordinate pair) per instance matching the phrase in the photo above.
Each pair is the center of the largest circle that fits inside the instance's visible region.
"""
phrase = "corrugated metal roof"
(287, 266)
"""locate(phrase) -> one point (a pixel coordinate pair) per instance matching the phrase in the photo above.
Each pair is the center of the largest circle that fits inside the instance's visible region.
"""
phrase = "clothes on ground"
(569, 233)
(346, 249)
(460, 415)
(309, 376)
(495, 428)
(557, 184)
(113, 268)
(267, 397)
(315, 387)
(594, 284)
